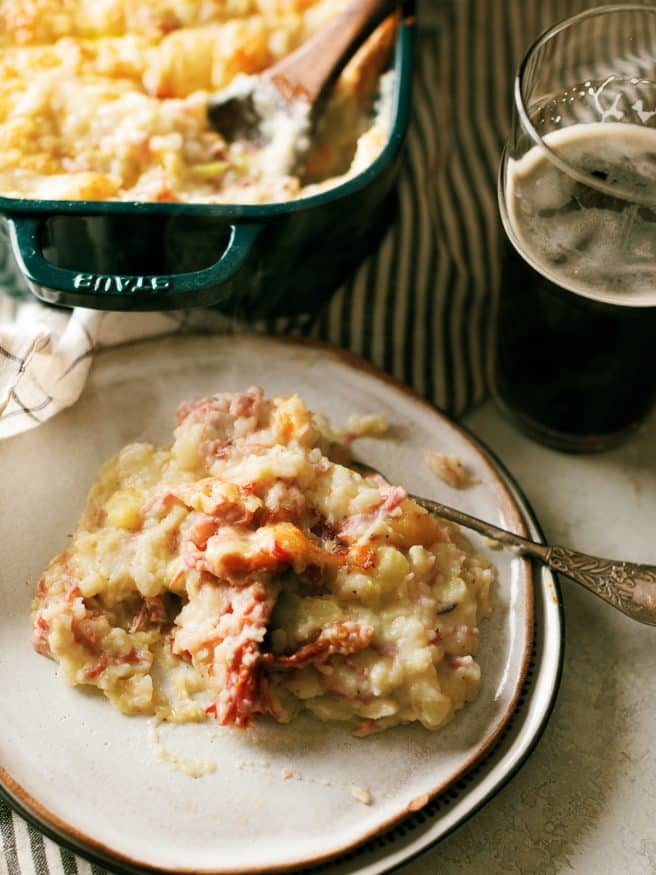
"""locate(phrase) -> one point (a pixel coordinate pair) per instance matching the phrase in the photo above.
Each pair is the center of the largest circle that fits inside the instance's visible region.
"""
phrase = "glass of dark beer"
(575, 351)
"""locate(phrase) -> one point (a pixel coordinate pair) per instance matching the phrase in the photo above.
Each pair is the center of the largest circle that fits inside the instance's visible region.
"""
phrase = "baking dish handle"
(70, 288)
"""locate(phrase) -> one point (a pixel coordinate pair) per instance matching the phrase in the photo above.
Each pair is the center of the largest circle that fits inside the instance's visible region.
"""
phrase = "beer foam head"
(584, 239)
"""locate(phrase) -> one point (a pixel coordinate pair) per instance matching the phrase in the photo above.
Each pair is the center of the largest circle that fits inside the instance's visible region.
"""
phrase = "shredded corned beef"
(244, 690)
(345, 638)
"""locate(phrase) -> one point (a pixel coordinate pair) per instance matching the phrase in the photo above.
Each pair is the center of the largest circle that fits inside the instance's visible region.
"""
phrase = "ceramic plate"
(90, 775)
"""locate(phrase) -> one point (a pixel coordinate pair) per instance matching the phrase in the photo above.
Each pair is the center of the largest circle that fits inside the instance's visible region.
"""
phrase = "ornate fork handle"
(627, 586)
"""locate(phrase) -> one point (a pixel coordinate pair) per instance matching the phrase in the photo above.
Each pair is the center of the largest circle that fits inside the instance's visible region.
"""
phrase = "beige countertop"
(584, 801)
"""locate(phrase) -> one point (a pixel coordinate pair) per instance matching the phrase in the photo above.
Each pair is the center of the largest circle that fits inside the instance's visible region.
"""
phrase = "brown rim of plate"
(83, 842)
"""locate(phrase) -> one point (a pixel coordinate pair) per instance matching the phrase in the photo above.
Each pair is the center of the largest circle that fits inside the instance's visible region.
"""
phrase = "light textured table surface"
(584, 802)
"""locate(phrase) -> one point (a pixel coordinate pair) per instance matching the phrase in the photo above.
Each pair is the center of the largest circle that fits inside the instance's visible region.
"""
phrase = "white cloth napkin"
(45, 355)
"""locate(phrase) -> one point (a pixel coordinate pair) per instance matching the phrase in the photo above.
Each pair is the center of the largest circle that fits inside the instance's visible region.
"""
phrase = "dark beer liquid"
(574, 373)
(576, 332)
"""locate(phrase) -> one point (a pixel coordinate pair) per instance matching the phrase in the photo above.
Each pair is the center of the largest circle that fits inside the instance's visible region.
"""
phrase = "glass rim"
(521, 103)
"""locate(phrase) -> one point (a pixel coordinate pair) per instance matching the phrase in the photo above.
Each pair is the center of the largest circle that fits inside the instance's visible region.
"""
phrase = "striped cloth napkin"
(420, 307)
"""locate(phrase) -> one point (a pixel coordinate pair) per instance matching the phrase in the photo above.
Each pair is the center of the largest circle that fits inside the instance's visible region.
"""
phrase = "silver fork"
(628, 586)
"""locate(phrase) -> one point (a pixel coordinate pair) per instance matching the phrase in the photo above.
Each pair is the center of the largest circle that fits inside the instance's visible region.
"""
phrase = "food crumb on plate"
(493, 544)
(252, 764)
(192, 767)
(450, 469)
(361, 794)
(367, 425)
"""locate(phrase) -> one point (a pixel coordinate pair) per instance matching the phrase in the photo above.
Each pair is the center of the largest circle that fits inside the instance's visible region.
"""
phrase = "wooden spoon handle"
(313, 66)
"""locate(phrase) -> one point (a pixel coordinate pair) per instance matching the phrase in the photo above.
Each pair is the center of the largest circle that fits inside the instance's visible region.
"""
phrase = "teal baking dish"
(253, 261)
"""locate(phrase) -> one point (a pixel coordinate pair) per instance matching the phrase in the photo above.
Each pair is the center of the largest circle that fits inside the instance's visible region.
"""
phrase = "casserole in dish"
(251, 259)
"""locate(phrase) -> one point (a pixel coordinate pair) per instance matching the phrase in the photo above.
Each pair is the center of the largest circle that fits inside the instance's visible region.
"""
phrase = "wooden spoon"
(255, 107)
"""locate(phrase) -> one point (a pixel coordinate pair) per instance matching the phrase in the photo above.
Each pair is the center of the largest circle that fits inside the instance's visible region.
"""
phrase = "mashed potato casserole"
(106, 99)
(245, 571)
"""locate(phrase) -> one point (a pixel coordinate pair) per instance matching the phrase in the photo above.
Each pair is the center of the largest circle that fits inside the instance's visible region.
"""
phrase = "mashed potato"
(107, 99)
(244, 572)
